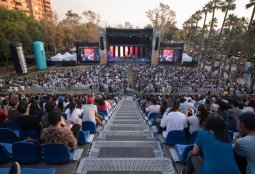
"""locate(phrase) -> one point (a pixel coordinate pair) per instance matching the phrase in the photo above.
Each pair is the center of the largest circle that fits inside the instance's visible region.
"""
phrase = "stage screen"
(89, 54)
(168, 55)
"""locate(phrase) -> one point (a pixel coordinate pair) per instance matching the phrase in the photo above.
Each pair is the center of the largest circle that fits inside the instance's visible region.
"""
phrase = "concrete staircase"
(126, 146)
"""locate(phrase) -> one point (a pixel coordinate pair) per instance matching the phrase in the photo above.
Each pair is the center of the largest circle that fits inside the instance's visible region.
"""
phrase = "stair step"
(125, 166)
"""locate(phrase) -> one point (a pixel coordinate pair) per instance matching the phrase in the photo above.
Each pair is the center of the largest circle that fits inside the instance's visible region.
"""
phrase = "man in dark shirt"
(25, 121)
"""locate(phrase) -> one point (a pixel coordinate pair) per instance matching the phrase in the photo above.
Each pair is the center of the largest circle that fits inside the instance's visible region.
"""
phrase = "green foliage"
(16, 26)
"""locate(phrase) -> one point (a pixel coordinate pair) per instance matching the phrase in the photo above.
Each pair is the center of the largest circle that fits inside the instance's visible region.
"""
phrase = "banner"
(18, 58)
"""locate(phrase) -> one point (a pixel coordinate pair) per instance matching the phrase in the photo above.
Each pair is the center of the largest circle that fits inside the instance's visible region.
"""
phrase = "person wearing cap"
(90, 112)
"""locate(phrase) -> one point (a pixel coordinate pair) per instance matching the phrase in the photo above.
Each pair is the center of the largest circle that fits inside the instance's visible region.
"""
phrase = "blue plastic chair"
(175, 137)
(183, 151)
(11, 124)
(89, 126)
(193, 137)
(103, 113)
(26, 152)
(38, 171)
(152, 115)
(31, 134)
(83, 137)
(5, 152)
(57, 154)
(4, 170)
(8, 136)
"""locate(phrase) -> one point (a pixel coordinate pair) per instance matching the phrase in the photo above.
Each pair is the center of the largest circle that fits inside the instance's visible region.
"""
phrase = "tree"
(17, 26)
(50, 32)
(92, 17)
(226, 6)
(70, 26)
(160, 16)
(214, 8)
(251, 4)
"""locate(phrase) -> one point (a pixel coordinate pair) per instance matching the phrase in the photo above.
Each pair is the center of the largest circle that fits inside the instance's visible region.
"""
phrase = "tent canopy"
(186, 58)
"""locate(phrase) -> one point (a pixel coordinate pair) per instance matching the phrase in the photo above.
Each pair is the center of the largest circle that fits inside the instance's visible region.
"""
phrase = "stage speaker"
(157, 43)
(102, 43)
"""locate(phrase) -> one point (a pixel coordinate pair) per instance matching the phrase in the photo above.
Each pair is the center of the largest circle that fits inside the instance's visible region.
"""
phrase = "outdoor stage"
(129, 60)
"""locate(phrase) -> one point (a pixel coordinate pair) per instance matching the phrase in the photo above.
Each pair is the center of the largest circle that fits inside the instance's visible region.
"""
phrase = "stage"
(129, 60)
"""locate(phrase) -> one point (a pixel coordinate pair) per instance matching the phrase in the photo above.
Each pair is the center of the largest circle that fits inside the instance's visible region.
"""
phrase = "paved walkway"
(126, 146)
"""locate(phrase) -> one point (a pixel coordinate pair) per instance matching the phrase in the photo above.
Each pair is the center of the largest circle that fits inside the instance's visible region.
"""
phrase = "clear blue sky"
(119, 11)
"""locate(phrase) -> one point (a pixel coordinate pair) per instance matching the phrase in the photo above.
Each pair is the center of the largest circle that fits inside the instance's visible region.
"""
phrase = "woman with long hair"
(214, 144)
(73, 113)
(196, 122)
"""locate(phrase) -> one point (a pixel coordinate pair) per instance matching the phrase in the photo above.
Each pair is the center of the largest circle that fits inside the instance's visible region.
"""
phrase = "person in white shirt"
(90, 112)
(173, 120)
(73, 113)
(154, 108)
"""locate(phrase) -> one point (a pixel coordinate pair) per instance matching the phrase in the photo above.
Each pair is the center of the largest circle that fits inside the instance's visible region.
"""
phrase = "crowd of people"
(102, 78)
(56, 118)
(144, 78)
(216, 118)
(167, 79)
(216, 108)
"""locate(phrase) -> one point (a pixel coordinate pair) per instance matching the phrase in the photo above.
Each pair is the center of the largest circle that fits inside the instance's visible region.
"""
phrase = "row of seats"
(26, 152)
(11, 136)
(177, 138)
(31, 171)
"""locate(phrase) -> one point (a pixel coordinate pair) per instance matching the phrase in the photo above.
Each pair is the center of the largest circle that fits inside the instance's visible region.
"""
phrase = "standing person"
(245, 145)
(215, 145)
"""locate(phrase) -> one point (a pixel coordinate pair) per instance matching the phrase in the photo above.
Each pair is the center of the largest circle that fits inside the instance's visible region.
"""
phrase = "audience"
(245, 145)
(214, 144)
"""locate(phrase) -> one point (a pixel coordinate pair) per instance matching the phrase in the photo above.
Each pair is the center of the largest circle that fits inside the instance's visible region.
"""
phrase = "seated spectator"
(59, 132)
(13, 111)
(223, 110)
(250, 106)
(26, 121)
(101, 105)
(34, 109)
(173, 120)
(5, 103)
(215, 146)
(163, 107)
(73, 113)
(245, 145)
(90, 112)
(49, 107)
(154, 108)
(3, 116)
(196, 121)
(234, 113)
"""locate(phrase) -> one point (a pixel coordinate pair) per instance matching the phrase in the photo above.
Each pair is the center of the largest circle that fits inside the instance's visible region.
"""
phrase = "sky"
(114, 12)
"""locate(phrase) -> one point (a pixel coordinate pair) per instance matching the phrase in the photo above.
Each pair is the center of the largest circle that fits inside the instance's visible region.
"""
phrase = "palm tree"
(214, 8)
(249, 5)
(226, 6)
(249, 33)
